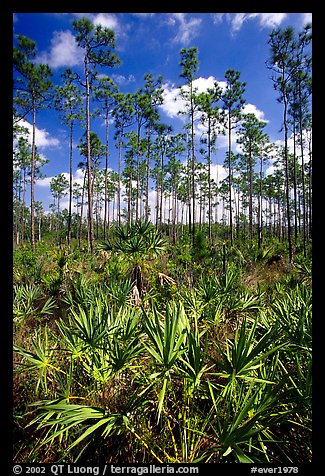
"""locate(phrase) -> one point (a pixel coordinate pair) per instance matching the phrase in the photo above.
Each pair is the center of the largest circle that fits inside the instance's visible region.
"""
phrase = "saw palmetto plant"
(137, 243)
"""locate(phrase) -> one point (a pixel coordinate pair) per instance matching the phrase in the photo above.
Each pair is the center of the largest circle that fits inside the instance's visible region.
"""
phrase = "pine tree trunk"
(250, 199)
(304, 220)
(119, 179)
(81, 210)
(193, 165)
(90, 197)
(32, 181)
(138, 280)
(287, 179)
(70, 189)
(229, 180)
(106, 171)
(147, 177)
(209, 181)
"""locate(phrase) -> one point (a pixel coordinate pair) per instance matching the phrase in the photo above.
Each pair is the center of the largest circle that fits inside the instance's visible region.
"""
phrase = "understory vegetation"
(149, 351)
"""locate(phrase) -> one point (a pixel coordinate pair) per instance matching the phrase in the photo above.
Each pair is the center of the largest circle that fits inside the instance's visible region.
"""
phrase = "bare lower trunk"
(138, 280)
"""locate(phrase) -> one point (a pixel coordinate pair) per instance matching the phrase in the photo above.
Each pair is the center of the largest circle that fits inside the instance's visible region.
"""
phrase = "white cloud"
(64, 51)
(172, 100)
(306, 18)
(274, 154)
(107, 20)
(236, 20)
(218, 172)
(271, 170)
(111, 21)
(291, 147)
(79, 176)
(252, 109)
(122, 80)
(203, 84)
(188, 28)
(217, 17)
(42, 137)
(43, 182)
(173, 103)
(268, 20)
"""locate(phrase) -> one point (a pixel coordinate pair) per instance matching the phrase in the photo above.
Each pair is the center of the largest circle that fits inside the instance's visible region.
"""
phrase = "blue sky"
(151, 43)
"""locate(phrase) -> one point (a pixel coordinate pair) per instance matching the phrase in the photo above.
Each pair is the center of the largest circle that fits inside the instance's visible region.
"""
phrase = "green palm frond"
(63, 418)
(166, 337)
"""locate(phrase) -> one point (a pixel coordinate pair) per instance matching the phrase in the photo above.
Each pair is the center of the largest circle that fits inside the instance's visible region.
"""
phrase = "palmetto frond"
(140, 238)
(137, 243)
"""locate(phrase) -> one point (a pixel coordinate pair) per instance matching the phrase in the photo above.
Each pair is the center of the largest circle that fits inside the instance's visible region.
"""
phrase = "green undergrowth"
(147, 352)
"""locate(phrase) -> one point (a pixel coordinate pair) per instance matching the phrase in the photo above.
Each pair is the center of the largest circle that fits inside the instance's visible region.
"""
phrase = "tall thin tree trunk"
(90, 198)
(106, 172)
(18, 208)
(32, 181)
(147, 176)
(193, 164)
(189, 204)
(81, 210)
(229, 179)
(304, 220)
(209, 180)
(250, 196)
(260, 209)
(23, 210)
(287, 178)
(157, 202)
(138, 177)
(161, 192)
(70, 188)
(119, 179)
(295, 185)
(310, 194)
(39, 229)
(57, 221)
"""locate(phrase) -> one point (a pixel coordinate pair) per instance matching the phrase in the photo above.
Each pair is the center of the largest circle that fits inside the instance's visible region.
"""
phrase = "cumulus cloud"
(43, 182)
(64, 51)
(42, 137)
(107, 20)
(43, 186)
(252, 109)
(203, 84)
(111, 21)
(173, 102)
(79, 176)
